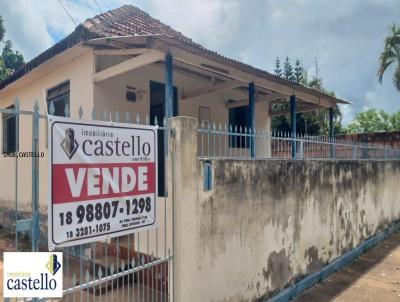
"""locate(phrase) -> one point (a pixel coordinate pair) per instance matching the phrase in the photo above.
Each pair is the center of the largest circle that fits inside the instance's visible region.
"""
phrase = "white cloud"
(210, 22)
(19, 25)
(29, 23)
(345, 36)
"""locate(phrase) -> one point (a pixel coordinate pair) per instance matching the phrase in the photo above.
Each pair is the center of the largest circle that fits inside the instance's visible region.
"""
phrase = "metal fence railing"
(134, 267)
(242, 143)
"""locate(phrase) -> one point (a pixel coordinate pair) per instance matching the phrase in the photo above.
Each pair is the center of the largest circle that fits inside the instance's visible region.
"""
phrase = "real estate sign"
(102, 180)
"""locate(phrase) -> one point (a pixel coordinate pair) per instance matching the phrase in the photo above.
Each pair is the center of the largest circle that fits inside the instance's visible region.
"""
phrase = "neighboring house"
(118, 62)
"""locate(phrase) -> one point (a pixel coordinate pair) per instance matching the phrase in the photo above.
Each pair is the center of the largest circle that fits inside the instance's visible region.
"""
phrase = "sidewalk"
(374, 276)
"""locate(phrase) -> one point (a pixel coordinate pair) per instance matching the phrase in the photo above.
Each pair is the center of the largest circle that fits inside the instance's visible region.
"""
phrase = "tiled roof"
(123, 21)
(129, 20)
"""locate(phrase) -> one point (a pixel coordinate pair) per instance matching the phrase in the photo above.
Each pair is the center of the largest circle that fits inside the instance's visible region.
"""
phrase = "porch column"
(169, 96)
(331, 126)
(293, 123)
(331, 131)
(169, 89)
(250, 118)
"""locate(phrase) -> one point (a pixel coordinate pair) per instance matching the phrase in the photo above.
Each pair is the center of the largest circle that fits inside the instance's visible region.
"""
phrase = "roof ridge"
(141, 20)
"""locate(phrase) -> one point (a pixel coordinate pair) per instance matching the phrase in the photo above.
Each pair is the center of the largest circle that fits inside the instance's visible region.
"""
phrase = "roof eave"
(79, 35)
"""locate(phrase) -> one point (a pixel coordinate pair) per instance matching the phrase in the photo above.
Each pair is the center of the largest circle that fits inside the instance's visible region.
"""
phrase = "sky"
(345, 36)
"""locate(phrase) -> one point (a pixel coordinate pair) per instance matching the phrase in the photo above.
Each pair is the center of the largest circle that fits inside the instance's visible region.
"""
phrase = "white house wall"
(79, 73)
(108, 95)
(111, 95)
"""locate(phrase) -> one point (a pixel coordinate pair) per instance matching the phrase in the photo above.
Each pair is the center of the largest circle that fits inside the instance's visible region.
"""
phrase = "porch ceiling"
(225, 74)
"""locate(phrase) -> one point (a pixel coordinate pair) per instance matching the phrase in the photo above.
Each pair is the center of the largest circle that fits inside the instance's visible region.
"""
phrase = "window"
(59, 97)
(9, 132)
(204, 115)
(238, 117)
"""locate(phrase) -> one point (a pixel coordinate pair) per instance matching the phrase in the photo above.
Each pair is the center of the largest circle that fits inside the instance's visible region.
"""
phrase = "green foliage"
(9, 60)
(394, 120)
(316, 81)
(374, 120)
(310, 123)
(289, 73)
(2, 29)
(304, 78)
(12, 60)
(278, 70)
(3, 71)
(390, 56)
(298, 71)
(288, 70)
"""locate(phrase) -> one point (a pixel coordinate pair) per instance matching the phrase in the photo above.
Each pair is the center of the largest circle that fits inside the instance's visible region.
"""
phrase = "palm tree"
(391, 55)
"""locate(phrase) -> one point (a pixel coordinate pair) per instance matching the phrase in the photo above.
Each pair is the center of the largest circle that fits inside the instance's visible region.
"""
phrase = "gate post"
(169, 95)
(35, 179)
(16, 104)
(185, 169)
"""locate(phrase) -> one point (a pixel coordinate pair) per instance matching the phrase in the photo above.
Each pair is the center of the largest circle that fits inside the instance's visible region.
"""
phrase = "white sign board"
(32, 275)
(103, 180)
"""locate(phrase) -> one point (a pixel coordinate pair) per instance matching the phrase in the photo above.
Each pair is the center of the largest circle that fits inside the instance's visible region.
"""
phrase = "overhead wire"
(90, 7)
(98, 6)
(67, 12)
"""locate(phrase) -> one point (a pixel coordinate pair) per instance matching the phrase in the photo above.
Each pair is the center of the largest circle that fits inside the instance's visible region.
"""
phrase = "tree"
(373, 120)
(2, 29)
(278, 70)
(316, 81)
(3, 71)
(394, 121)
(322, 115)
(288, 70)
(298, 71)
(309, 123)
(12, 60)
(9, 60)
(391, 56)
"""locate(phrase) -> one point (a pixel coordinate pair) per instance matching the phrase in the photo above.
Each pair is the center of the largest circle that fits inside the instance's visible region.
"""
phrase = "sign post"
(103, 180)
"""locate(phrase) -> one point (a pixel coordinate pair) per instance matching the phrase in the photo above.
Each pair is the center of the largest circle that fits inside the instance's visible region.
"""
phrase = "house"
(261, 226)
(121, 61)
(126, 62)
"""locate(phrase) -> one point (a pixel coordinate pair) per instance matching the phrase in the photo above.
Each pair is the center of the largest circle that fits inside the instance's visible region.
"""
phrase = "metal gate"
(135, 267)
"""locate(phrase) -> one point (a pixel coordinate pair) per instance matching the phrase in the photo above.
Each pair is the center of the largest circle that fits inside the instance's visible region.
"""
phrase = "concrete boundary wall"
(265, 224)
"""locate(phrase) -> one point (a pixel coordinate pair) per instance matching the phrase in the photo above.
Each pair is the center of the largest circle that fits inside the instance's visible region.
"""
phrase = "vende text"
(95, 181)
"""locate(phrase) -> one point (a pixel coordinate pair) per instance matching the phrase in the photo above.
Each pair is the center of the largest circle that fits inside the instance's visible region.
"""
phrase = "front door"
(157, 109)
